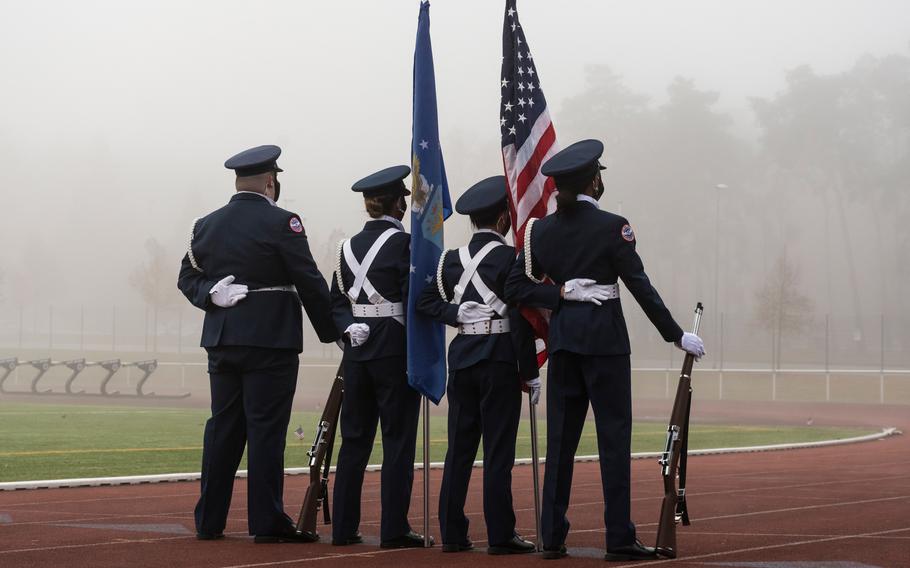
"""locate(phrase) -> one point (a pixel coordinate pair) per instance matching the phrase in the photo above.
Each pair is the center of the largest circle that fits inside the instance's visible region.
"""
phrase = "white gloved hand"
(473, 312)
(691, 343)
(585, 290)
(359, 333)
(225, 294)
(534, 389)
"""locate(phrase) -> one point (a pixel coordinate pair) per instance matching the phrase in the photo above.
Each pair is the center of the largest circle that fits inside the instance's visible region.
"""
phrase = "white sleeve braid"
(338, 268)
(189, 248)
(529, 270)
(439, 286)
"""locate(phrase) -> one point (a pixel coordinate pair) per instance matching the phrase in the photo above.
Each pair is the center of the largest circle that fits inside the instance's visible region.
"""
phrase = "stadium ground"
(54, 441)
(841, 506)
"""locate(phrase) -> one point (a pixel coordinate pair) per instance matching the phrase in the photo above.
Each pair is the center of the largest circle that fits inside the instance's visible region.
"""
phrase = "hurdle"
(7, 365)
(76, 366)
(148, 367)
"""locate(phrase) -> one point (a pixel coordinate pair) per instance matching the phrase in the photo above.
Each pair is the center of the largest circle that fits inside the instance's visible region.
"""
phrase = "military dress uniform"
(370, 286)
(485, 361)
(253, 345)
(588, 344)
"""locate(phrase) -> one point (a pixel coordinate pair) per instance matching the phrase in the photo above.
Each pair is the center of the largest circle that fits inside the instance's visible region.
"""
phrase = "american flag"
(528, 140)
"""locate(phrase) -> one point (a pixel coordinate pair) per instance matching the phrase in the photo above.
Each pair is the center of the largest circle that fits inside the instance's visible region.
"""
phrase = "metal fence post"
(773, 366)
(82, 328)
(720, 372)
(827, 360)
(881, 364)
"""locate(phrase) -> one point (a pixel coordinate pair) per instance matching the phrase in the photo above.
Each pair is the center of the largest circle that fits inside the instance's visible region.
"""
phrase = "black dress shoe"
(458, 546)
(409, 540)
(517, 545)
(356, 538)
(209, 536)
(634, 551)
(289, 535)
(554, 553)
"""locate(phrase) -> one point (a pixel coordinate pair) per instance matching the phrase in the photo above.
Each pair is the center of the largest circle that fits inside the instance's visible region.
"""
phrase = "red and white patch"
(295, 224)
(627, 233)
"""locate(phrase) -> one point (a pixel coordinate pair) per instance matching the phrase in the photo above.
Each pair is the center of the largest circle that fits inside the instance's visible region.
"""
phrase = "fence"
(825, 349)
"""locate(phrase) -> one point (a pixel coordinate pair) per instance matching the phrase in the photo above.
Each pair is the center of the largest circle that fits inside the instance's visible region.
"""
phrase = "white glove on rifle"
(534, 389)
(225, 294)
(585, 290)
(691, 343)
(359, 333)
(473, 312)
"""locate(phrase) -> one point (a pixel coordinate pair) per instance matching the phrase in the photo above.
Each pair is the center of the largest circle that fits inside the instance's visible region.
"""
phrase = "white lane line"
(762, 548)
(327, 557)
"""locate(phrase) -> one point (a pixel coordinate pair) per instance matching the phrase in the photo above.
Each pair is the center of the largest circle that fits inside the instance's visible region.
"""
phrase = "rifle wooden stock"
(673, 509)
(317, 493)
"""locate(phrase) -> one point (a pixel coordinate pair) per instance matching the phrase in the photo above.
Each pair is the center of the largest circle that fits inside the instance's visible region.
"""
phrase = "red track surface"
(845, 504)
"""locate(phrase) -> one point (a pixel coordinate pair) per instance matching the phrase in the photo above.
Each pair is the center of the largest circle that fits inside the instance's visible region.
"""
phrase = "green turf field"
(52, 442)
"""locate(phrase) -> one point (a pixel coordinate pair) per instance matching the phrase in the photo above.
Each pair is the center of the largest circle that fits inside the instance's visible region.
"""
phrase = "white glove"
(691, 343)
(472, 312)
(359, 333)
(225, 294)
(585, 290)
(534, 389)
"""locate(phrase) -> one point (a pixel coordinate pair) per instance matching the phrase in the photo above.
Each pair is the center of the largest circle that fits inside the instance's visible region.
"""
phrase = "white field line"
(170, 477)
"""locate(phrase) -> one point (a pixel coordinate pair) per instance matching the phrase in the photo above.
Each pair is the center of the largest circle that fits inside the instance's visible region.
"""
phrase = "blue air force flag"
(430, 206)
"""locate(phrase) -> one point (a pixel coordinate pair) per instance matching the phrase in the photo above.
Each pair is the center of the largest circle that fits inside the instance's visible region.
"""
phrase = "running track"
(841, 506)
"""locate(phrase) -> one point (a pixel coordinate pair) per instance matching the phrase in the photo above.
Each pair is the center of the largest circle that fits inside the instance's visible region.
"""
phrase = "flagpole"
(535, 472)
(426, 472)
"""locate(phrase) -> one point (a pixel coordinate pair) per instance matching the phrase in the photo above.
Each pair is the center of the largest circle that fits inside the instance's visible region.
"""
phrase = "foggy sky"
(117, 116)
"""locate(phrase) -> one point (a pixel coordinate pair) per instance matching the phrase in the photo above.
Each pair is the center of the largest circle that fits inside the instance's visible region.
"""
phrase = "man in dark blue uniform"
(493, 348)
(249, 267)
(582, 251)
(369, 292)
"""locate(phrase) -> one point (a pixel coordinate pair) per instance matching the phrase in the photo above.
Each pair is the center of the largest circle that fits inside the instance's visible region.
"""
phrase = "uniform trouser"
(252, 389)
(573, 381)
(374, 391)
(483, 399)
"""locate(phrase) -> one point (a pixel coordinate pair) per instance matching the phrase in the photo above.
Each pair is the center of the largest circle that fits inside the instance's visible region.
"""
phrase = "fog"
(117, 118)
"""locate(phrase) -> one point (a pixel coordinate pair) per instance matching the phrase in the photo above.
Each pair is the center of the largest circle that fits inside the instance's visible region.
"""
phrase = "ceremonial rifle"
(317, 494)
(672, 461)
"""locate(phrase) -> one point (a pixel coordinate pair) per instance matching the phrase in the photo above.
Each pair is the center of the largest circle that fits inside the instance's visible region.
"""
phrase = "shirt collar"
(266, 197)
(589, 199)
(492, 232)
(391, 220)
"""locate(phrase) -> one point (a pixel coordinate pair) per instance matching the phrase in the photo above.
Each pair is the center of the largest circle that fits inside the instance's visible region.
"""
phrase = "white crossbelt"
(387, 310)
(470, 274)
(486, 327)
(362, 282)
(286, 288)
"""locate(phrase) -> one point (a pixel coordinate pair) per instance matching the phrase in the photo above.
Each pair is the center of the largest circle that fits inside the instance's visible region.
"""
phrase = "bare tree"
(780, 306)
(154, 279)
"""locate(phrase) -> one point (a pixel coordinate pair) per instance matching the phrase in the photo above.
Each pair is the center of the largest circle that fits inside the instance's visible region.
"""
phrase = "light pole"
(716, 308)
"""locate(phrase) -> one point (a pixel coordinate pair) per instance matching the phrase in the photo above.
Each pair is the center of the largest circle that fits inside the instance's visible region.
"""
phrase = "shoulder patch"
(627, 233)
(295, 224)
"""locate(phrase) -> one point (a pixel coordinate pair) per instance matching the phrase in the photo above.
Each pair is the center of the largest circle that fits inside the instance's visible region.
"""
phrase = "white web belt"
(611, 290)
(286, 288)
(387, 310)
(486, 327)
